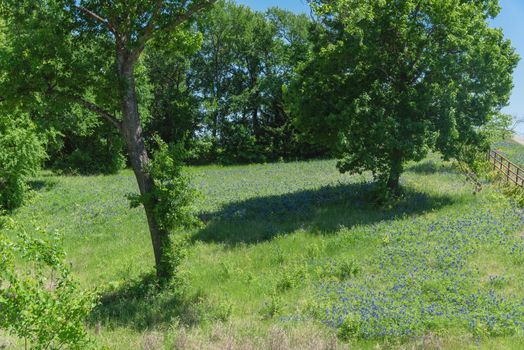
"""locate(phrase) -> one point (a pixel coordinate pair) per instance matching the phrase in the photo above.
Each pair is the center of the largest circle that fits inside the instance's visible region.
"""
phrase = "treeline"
(218, 85)
(374, 85)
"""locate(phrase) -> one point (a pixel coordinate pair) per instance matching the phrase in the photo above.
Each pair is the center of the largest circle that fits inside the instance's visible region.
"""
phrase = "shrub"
(94, 149)
(516, 193)
(271, 308)
(201, 151)
(22, 152)
(509, 189)
(172, 199)
(350, 328)
(40, 302)
(241, 146)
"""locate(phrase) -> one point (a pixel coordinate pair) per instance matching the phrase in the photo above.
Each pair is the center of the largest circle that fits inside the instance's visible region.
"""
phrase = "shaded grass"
(321, 211)
(272, 234)
(141, 304)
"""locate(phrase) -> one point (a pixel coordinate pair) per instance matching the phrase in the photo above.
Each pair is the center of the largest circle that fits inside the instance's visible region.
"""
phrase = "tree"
(22, 153)
(82, 143)
(246, 59)
(390, 80)
(69, 52)
(43, 305)
(174, 108)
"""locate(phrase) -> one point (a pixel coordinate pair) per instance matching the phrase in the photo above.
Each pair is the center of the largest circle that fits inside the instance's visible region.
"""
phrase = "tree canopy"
(390, 80)
(61, 54)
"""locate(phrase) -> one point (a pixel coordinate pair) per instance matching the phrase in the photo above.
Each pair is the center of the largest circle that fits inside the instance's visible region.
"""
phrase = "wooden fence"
(512, 172)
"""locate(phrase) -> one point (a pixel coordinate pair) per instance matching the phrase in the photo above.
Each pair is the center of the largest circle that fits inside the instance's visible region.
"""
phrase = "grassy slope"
(511, 149)
(266, 268)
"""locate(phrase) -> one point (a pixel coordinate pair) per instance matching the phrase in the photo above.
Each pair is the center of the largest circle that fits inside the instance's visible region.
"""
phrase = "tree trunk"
(133, 136)
(395, 170)
(254, 107)
(256, 124)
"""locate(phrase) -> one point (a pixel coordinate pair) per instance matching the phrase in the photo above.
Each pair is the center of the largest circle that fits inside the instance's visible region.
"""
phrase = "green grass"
(514, 151)
(286, 248)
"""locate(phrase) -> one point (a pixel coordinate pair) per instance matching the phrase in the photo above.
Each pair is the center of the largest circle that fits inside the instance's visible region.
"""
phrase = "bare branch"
(97, 17)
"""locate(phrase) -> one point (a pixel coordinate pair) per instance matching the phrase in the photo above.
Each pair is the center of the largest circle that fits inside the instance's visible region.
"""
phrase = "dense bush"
(89, 148)
(240, 146)
(41, 305)
(22, 152)
(173, 194)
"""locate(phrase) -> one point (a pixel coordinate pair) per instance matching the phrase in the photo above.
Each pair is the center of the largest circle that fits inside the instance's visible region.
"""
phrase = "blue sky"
(293, 5)
(511, 20)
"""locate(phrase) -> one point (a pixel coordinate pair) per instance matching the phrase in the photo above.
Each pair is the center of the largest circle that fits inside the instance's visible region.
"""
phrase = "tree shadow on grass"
(142, 304)
(40, 185)
(322, 211)
(431, 167)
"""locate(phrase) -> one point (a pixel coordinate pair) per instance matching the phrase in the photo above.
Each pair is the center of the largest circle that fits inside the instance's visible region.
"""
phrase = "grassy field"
(512, 150)
(293, 256)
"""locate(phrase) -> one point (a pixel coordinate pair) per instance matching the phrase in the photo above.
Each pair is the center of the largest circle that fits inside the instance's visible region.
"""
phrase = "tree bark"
(132, 133)
(256, 124)
(395, 170)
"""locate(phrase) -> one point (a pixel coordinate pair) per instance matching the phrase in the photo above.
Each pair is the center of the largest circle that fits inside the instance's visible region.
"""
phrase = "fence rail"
(511, 171)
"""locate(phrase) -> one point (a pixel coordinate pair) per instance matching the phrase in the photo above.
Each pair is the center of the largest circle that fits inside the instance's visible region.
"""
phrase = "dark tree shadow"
(142, 304)
(323, 211)
(431, 167)
(42, 185)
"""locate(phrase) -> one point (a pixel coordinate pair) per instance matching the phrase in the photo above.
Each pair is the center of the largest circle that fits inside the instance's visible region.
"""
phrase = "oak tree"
(390, 80)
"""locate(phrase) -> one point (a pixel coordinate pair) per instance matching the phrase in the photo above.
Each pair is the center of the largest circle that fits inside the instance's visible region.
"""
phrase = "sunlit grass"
(275, 236)
(514, 151)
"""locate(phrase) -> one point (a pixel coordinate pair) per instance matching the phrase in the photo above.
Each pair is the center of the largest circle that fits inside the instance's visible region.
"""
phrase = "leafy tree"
(63, 53)
(390, 80)
(212, 68)
(43, 306)
(245, 60)
(174, 106)
(22, 153)
(85, 145)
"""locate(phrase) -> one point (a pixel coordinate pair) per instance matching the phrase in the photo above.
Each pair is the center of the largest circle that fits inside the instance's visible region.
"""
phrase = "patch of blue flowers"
(424, 278)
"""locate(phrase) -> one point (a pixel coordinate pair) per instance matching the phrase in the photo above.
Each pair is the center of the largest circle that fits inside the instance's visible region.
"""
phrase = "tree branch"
(98, 18)
(150, 26)
(98, 110)
(190, 12)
